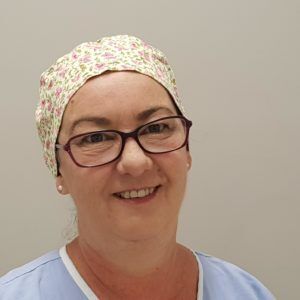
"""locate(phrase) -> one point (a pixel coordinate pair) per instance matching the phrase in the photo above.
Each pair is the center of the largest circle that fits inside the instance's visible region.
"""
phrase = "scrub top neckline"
(87, 291)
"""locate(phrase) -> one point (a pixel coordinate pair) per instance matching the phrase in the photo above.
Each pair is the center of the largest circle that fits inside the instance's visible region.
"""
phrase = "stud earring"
(60, 188)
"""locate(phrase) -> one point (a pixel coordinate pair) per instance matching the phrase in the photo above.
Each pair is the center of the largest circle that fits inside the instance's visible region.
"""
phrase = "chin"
(143, 230)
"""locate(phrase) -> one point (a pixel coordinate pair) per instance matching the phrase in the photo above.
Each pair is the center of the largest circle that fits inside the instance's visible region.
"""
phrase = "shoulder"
(30, 269)
(223, 280)
(43, 278)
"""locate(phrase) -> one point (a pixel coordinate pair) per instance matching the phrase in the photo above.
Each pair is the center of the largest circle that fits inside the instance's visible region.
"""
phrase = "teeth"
(133, 194)
(136, 193)
(141, 193)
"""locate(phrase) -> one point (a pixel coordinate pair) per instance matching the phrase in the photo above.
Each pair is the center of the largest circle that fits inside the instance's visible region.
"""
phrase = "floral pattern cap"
(59, 82)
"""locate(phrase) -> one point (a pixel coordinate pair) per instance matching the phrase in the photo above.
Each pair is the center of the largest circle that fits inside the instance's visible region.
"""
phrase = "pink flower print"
(99, 66)
(41, 131)
(49, 107)
(108, 55)
(59, 67)
(159, 73)
(147, 57)
(76, 78)
(43, 103)
(52, 161)
(47, 144)
(58, 92)
(125, 66)
(74, 55)
(145, 45)
(58, 111)
(85, 59)
(62, 73)
(42, 82)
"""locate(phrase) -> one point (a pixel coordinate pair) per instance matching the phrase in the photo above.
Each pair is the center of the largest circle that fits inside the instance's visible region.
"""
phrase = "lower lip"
(142, 200)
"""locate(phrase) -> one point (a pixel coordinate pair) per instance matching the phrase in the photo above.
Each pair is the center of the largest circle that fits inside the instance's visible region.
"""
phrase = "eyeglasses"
(99, 148)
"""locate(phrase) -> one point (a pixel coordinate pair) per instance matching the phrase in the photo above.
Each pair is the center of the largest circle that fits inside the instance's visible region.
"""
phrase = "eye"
(155, 128)
(96, 138)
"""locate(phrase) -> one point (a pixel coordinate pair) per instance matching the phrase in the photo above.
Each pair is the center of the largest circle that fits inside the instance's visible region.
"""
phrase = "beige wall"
(237, 65)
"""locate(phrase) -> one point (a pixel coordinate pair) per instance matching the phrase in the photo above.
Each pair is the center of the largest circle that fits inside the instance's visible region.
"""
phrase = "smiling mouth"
(137, 194)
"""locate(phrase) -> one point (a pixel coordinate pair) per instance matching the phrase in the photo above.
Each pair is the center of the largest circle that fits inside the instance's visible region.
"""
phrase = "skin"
(127, 251)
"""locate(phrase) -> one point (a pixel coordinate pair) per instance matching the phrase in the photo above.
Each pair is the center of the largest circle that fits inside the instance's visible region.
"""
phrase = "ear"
(189, 160)
(61, 185)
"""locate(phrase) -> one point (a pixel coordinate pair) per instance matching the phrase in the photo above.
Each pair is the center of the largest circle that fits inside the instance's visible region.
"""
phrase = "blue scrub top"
(49, 278)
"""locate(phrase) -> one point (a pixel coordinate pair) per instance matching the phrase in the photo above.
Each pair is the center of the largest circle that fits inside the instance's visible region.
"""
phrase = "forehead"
(119, 86)
(115, 95)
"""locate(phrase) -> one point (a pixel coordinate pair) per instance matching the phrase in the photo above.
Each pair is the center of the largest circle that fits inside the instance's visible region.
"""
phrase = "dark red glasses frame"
(124, 136)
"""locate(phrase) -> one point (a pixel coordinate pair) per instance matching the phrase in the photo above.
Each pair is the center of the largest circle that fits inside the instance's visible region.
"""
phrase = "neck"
(131, 270)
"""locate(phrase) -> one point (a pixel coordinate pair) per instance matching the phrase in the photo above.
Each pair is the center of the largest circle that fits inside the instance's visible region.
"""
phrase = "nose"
(133, 161)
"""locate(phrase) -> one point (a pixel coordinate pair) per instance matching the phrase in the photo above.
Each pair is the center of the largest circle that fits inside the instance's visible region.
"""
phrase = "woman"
(115, 138)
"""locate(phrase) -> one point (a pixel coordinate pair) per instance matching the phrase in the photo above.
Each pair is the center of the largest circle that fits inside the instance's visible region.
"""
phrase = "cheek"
(85, 184)
(175, 167)
(178, 161)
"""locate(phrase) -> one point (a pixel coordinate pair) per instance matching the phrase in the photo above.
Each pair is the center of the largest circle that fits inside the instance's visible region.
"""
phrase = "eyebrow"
(102, 121)
(142, 116)
(99, 121)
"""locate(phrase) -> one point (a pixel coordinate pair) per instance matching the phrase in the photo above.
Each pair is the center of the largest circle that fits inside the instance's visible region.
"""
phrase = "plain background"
(237, 67)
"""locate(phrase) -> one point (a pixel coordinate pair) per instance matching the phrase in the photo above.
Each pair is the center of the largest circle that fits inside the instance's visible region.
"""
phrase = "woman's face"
(122, 101)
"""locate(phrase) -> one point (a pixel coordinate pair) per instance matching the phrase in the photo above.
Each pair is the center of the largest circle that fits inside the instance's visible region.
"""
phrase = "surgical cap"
(60, 81)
